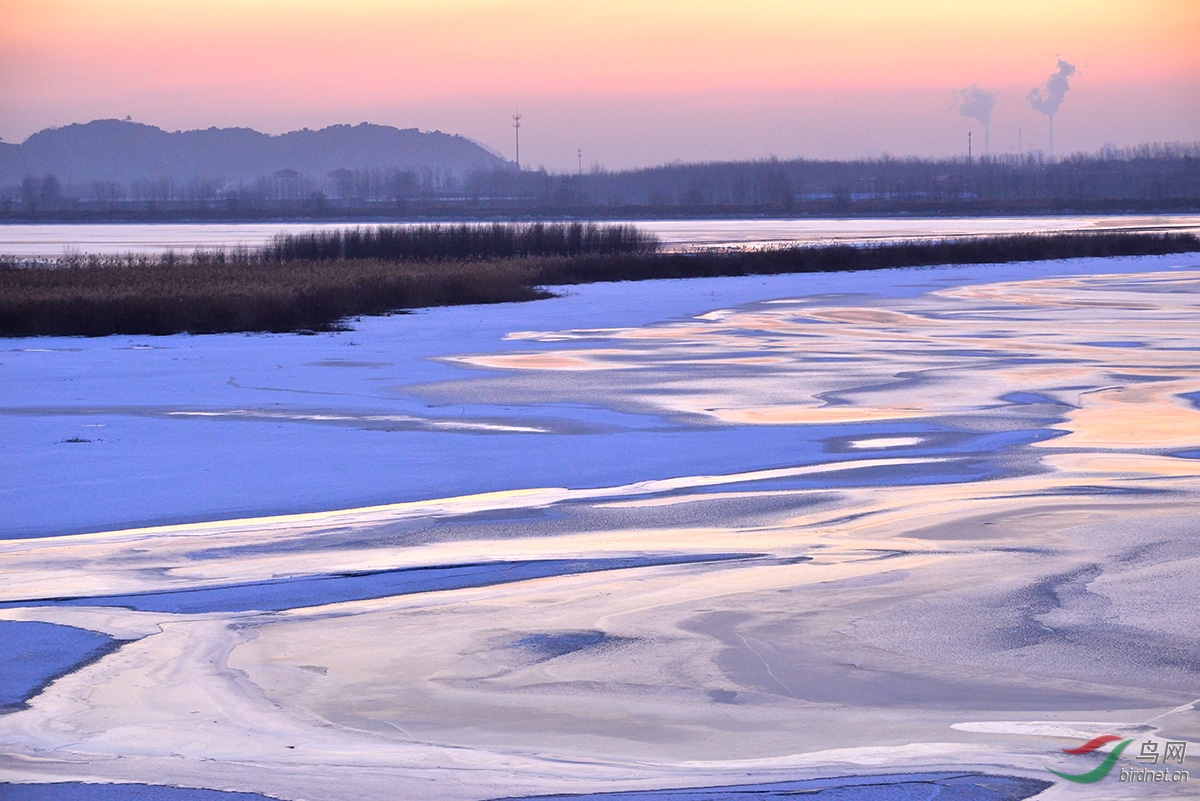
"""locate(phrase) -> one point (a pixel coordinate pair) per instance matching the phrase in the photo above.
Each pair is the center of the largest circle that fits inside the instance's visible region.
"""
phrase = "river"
(55, 239)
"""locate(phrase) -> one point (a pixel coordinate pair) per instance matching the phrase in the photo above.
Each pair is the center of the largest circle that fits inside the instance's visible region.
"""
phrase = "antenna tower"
(517, 132)
(579, 153)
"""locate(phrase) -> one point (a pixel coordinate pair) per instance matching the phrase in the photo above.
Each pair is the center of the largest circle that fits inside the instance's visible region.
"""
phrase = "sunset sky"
(631, 83)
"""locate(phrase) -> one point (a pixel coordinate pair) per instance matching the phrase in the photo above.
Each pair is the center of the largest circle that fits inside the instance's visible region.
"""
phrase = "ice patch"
(32, 654)
(1038, 728)
(886, 442)
(964, 786)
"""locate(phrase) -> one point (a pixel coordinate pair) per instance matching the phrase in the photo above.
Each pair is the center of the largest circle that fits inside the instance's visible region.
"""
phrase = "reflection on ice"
(976, 510)
(885, 442)
(107, 238)
(388, 421)
(955, 352)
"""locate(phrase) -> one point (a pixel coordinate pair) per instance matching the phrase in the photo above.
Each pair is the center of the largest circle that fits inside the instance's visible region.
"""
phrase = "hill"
(123, 152)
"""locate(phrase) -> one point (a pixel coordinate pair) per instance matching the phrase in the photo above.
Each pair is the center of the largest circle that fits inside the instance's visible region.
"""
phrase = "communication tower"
(517, 132)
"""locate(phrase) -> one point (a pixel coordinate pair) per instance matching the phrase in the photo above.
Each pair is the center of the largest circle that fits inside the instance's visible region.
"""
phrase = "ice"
(360, 565)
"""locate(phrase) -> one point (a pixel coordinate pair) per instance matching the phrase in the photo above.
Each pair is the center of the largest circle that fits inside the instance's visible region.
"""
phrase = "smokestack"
(977, 104)
(1049, 96)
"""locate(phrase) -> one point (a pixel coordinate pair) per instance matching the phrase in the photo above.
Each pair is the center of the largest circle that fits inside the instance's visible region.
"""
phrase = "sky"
(631, 83)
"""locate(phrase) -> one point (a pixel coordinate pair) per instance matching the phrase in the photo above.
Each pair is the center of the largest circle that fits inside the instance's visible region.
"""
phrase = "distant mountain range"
(123, 151)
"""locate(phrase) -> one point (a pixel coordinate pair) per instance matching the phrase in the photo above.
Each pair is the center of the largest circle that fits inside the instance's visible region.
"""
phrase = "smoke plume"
(976, 103)
(1049, 96)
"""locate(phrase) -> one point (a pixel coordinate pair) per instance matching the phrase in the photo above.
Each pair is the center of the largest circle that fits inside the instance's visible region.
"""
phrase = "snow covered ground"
(713, 531)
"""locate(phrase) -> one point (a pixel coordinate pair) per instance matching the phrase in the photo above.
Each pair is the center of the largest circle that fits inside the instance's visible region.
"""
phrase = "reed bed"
(464, 241)
(840, 258)
(137, 297)
(220, 292)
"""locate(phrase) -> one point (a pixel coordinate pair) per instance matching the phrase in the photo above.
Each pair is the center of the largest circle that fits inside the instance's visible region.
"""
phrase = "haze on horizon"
(631, 84)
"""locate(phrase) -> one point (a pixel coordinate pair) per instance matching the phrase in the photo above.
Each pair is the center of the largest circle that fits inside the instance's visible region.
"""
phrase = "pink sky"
(631, 83)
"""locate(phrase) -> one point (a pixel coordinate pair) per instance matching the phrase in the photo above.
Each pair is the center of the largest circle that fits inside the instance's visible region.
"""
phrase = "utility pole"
(579, 153)
(517, 131)
(968, 147)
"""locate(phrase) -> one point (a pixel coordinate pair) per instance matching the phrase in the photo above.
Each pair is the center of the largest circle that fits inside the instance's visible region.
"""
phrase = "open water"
(54, 240)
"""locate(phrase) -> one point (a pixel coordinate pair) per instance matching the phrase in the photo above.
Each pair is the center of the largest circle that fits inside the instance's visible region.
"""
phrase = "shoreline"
(218, 292)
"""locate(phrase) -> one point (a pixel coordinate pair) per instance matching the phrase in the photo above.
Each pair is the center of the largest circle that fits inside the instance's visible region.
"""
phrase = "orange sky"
(631, 82)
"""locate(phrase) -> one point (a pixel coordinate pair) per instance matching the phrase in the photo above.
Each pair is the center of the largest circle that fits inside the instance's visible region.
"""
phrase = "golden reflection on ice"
(1103, 344)
(811, 415)
(1148, 416)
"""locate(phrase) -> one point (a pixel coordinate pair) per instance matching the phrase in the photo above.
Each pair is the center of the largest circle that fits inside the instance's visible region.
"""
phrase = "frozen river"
(50, 240)
(928, 527)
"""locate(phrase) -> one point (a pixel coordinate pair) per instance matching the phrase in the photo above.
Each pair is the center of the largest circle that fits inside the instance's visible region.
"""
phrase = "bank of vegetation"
(462, 241)
(319, 282)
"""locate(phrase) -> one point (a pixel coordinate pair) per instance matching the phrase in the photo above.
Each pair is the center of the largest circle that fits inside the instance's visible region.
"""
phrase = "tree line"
(1146, 177)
